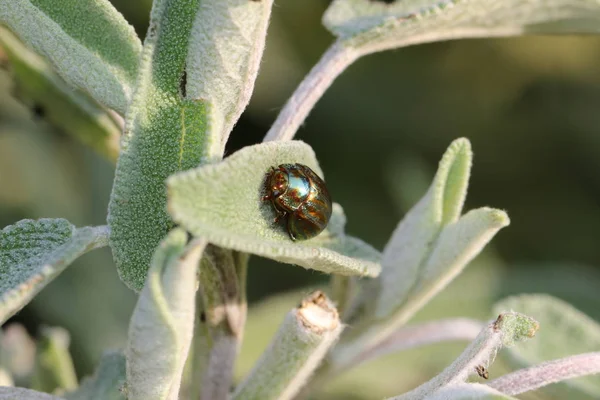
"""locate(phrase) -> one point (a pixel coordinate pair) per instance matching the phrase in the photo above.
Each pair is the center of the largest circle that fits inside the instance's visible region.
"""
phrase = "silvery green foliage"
(223, 203)
(161, 328)
(567, 331)
(181, 94)
(173, 124)
(232, 33)
(374, 25)
(107, 383)
(33, 253)
(165, 132)
(430, 246)
(367, 26)
(66, 32)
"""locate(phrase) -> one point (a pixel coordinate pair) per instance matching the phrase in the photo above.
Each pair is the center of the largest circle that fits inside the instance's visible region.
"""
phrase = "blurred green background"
(528, 105)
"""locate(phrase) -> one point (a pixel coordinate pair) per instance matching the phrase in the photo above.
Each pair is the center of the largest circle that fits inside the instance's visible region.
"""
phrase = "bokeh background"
(528, 105)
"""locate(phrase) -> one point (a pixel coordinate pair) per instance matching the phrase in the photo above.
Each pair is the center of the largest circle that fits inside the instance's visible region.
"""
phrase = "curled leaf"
(162, 324)
(33, 253)
(223, 203)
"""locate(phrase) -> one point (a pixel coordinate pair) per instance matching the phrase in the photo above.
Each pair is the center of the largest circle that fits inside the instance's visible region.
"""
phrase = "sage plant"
(183, 220)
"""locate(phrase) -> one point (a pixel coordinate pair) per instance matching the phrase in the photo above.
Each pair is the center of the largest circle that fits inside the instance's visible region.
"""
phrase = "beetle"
(300, 196)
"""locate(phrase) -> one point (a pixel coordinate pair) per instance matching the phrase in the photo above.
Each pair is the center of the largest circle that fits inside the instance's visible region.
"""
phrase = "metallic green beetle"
(299, 195)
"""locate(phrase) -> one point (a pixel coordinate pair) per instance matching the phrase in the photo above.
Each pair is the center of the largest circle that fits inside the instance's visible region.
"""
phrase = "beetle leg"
(280, 214)
(290, 232)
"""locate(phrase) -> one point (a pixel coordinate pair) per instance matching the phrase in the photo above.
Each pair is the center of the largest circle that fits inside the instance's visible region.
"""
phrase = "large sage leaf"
(88, 41)
(33, 253)
(566, 331)
(226, 46)
(370, 26)
(164, 133)
(161, 328)
(223, 203)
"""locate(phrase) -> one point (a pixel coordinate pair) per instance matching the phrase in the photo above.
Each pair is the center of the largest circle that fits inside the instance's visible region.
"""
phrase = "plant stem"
(222, 286)
(418, 335)
(535, 377)
(335, 60)
(304, 338)
(507, 328)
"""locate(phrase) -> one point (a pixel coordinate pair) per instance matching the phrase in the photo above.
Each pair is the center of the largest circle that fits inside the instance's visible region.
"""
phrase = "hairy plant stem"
(335, 60)
(538, 376)
(304, 338)
(222, 288)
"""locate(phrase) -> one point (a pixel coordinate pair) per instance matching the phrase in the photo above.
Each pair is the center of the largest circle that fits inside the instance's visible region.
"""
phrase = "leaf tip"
(498, 218)
(516, 327)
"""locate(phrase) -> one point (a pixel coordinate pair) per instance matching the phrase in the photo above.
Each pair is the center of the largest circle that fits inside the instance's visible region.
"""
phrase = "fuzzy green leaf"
(165, 133)
(108, 382)
(429, 248)
(371, 26)
(88, 41)
(408, 249)
(72, 111)
(33, 253)
(222, 203)
(566, 331)
(226, 46)
(13, 393)
(162, 324)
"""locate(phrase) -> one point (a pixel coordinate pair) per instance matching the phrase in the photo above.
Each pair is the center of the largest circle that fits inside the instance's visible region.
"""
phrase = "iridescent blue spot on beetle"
(300, 198)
